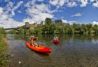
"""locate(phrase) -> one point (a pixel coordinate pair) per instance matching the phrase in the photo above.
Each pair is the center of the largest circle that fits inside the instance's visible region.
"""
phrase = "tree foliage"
(57, 27)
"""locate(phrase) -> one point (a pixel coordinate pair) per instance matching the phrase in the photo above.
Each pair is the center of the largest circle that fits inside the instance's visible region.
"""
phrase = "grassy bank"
(3, 51)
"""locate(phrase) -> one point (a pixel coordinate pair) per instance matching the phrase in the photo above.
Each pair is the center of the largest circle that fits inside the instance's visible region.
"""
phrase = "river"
(71, 52)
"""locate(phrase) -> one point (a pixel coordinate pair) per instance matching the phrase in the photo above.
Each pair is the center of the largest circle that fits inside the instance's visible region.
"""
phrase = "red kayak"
(41, 48)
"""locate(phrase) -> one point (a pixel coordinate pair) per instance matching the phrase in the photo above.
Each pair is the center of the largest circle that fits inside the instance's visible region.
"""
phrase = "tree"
(49, 27)
(58, 21)
(27, 25)
(48, 21)
(26, 28)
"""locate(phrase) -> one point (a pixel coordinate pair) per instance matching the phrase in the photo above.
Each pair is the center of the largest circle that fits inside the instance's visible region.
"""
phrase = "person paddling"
(33, 41)
(56, 40)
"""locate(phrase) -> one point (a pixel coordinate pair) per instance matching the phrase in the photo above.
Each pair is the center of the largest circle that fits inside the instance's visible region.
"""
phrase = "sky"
(15, 13)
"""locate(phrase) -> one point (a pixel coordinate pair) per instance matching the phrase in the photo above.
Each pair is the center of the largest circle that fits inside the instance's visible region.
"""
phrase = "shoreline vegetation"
(3, 49)
(56, 27)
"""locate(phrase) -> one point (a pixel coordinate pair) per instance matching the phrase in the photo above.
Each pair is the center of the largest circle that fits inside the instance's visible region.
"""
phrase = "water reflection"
(73, 51)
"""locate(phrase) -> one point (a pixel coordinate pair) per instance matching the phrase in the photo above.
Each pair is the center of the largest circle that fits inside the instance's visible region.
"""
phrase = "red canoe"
(56, 42)
(40, 48)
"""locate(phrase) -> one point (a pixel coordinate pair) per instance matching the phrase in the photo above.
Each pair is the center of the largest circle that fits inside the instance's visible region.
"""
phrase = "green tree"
(49, 27)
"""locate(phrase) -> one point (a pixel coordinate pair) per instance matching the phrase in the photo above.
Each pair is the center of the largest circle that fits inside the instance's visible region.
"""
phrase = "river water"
(71, 52)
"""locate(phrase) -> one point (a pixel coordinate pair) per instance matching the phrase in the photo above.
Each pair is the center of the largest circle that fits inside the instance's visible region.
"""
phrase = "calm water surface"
(73, 51)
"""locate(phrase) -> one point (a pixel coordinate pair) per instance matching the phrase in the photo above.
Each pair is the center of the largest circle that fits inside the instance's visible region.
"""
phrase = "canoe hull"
(56, 42)
(39, 49)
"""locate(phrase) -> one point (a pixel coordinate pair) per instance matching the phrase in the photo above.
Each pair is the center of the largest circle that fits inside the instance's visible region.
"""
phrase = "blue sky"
(15, 12)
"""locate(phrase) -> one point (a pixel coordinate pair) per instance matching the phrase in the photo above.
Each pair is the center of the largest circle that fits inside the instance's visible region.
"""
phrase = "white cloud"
(95, 22)
(11, 4)
(54, 2)
(19, 11)
(83, 3)
(57, 2)
(18, 5)
(39, 12)
(10, 23)
(70, 22)
(10, 8)
(30, 3)
(76, 15)
(61, 2)
(65, 21)
(92, 0)
(95, 4)
(42, 16)
(2, 15)
(6, 21)
(7, 13)
(1, 10)
(71, 4)
(42, 7)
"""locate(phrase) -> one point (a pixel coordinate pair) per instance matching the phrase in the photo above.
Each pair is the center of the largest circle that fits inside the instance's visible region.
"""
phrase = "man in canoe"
(33, 41)
(56, 38)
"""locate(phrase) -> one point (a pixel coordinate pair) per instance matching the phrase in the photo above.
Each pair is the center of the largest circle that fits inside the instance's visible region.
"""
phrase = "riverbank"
(3, 52)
